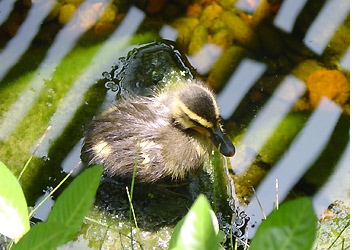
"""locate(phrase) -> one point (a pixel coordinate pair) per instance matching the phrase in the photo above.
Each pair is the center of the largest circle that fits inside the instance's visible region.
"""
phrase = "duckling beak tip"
(231, 153)
(226, 147)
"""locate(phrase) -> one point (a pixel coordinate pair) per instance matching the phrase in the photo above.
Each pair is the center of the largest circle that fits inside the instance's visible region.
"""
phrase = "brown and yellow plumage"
(170, 134)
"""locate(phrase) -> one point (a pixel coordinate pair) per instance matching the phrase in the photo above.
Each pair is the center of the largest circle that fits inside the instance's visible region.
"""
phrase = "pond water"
(280, 69)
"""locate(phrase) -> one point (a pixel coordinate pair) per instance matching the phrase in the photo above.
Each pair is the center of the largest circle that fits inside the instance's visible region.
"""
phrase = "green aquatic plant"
(292, 226)
(199, 229)
(64, 219)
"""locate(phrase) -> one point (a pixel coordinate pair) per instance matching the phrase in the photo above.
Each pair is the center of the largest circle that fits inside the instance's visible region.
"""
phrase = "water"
(53, 56)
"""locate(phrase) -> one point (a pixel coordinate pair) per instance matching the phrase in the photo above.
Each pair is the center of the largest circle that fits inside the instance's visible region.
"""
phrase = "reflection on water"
(345, 61)
(261, 72)
(205, 58)
(17, 46)
(239, 84)
(63, 43)
(43, 211)
(266, 121)
(326, 24)
(100, 63)
(301, 154)
(247, 6)
(334, 189)
(5, 7)
(72, 159)
(288, 13)
(168, 33)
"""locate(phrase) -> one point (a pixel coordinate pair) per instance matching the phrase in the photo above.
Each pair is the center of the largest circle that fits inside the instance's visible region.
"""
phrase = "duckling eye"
(200, 128)
(203, 131)
(196, 124)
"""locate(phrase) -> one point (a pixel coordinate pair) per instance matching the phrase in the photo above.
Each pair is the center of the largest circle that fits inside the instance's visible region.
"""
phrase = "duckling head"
(194, 107)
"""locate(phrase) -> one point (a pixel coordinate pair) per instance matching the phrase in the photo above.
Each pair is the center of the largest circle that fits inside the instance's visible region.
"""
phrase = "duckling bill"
(168, 135)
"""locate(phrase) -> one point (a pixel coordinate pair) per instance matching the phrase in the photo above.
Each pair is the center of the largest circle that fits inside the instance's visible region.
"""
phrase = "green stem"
(348, 224)
(24, 168)
(32, 155)
(133, 180)
(54, 190)
(132, 209)
(103, 239)
(10, 244)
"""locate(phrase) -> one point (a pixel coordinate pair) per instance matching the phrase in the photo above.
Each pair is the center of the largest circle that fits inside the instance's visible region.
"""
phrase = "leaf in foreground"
(293, 226)
(198, 229)
(13, 208)
(44, 235)
(75, 201)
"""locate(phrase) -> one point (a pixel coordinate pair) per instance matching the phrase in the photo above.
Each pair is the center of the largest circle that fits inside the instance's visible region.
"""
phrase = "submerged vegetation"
(293, 226)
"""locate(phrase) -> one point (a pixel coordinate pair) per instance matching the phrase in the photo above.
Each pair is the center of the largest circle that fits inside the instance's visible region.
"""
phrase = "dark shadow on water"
(153, 204)
(323, 168)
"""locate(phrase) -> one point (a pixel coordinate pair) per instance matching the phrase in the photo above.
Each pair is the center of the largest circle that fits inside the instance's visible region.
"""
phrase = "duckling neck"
(185, 151)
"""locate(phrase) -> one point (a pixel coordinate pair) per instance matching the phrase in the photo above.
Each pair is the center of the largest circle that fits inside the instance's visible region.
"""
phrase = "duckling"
(169, 135)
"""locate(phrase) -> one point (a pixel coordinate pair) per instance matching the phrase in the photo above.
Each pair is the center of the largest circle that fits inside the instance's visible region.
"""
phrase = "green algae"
(199, 38)
(282, 137)
(36, 121)
(17, 148)
(334, 227)
(241, 31)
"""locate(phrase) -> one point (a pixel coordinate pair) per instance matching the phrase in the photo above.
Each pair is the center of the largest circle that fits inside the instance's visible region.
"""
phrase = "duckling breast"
(184, 152)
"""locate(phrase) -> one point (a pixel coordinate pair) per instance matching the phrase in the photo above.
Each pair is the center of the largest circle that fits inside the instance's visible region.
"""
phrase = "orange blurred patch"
(329, 83)
(194, 10)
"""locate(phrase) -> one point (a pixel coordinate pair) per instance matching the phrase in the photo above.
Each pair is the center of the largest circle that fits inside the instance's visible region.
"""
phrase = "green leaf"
(75, 201)
(13, 208)
(43, 236)
(293, 226)
(198, 229)
(221, 236)
(176, 234)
